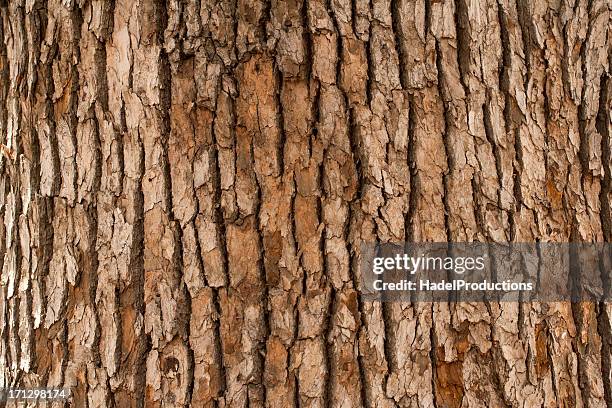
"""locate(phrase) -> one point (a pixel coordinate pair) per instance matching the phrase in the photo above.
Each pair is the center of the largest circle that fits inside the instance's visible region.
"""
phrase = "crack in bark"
(352, 251)
(399, 42)
(262, 275)
(445, 141)
(524, 17)
(464, 33)
(414, 186)
(604, 318)
(350, 219)
(221, 236)
(504, 80)
(489, 134)
(137, 279)
(15, 178)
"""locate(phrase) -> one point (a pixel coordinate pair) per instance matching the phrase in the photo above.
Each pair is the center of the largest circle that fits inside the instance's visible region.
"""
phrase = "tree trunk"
(185, 186)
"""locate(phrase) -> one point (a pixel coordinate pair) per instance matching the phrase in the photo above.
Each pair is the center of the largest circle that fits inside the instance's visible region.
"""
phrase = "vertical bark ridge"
(83, 317)
(496, 206)
(381, 145)
(168, 371)
(23, 169)
(512, 364)
(542, 361)
(352, 83)
(68, 215)
(416, 53)
(125, 287)
(35, 342)
(340, 188)
(278, 229)
(11, 271)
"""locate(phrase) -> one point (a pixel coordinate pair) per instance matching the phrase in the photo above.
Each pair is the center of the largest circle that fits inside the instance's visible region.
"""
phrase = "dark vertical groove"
(353, 16)
(464, 34)
(400, 46)
(566, 62)
(221, 230)
(102, 99)
(4, 341)
(259, 359)
(401, 49)
(434, 364)
(350, 216)
(330, 380)
(4, 81)
(478, 204)
(554, 380)
(90, 263)
(390, 340)
(576, 283)
(354, 267)
(49, 113)
(46, 228)
(138, 279)
(489, 133)
(92, 269)
(265, 307)
(91, 258)
(414, 182)
(77, 20)
(185, 301)
(441, 83)
(509, 108)
(307, 41)
(353, 261)
(427, 17)
(186, 318)
(605, 332)
(101, 92)
(370, 61)
(315, 111)
(221, 236)
(165, 106)
(280, 117)
(445, 139)
(262, 24)
(524, 22)
(217, 334)
(603, 128)
(138, 252)
(603, 318)
(585, 177)
(15, 180)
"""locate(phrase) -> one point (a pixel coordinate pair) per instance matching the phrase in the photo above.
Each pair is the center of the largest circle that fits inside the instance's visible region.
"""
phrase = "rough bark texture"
(186, 185)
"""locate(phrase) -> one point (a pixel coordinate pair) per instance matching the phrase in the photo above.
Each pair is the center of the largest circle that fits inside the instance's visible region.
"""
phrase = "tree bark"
(185, 186)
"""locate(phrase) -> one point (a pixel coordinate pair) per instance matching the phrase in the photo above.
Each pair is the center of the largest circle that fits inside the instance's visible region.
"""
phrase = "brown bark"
(185, 186)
